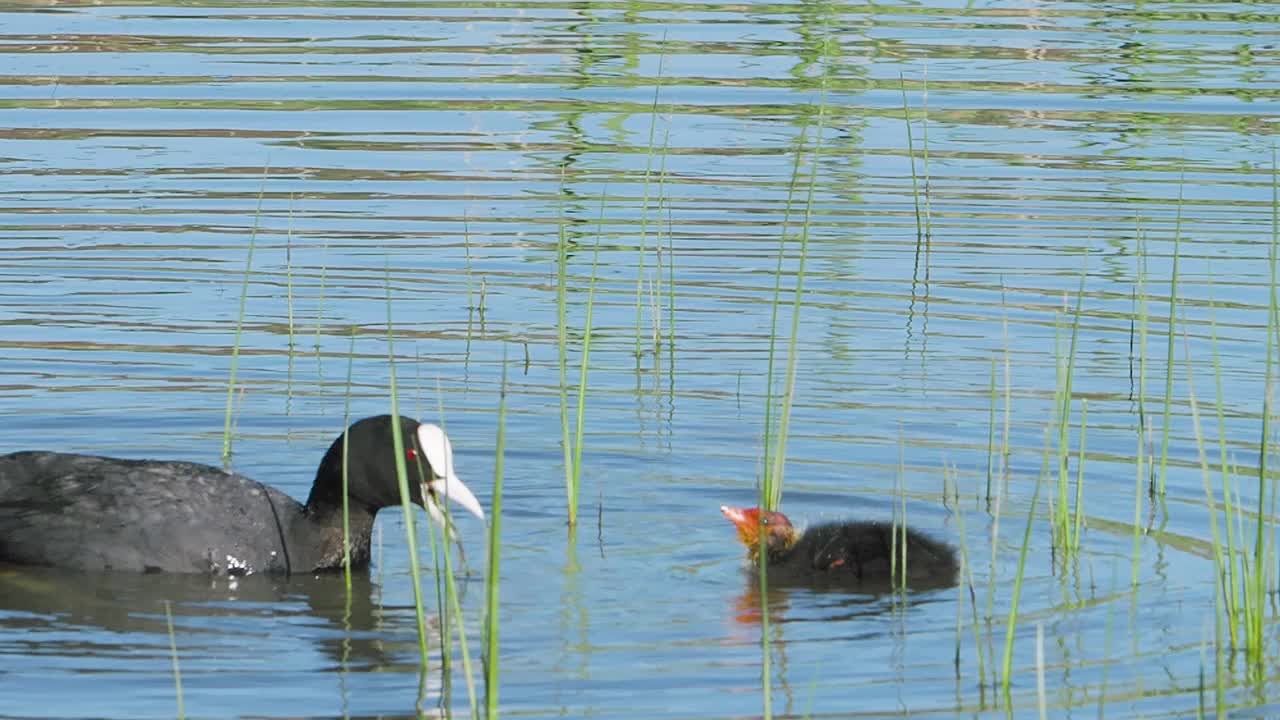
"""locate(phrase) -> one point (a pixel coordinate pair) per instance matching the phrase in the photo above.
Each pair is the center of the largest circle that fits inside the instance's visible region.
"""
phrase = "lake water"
(434, 152)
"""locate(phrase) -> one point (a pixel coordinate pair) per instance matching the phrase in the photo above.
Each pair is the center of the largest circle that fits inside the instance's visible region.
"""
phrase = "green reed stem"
(324, 276)
(562, 263)
(766, 651)
(644, 210)
(767, 480)
(1012, 623)
(1008, 391)
(580, 419)
(915, 180)
(466, 248)
(1230, 598)
(1141, 469)
(1168, 375)
(346, 500)
(288, 289)
(493, 574)
(235, 347)
(671, 268)
(966, 583)
(451, 590)
(991, 431)
(1079, 509)
(402, 479)
(1210, 503)
(784, 422)
(1063, 523)
(1258, 580)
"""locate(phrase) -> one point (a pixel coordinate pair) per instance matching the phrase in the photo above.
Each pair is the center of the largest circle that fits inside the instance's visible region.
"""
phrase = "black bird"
(86, 512)
(848, 553)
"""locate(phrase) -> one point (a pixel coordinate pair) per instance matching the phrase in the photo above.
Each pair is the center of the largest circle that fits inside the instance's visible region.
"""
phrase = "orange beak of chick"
(751, 522)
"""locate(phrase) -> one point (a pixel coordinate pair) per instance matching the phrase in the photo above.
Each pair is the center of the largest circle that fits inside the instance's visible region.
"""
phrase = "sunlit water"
(434, 154)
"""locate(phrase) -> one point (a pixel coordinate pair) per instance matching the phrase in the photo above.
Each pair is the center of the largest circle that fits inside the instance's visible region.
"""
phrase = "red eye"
(411, 454)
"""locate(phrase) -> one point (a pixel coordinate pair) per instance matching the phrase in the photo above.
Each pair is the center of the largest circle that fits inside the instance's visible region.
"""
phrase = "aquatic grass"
(924, 230)
(1222, 563)
(451, 593)
(655, 314)
(657, 282)
(1257, 578)
(767, 478)
(773, 481)
(492, 574)
(1245, 577)
(346, 483)
(1011, 624)
(644, 208)
(446, 588)
(1259, 582)
(447, 603)
(235, 346)
(444, 622)
(1230, 601)
(928, 178)
(989, 609)
(1168, 376)
(671, 268)
(562, 343)
(1065, 525)
(324, 273)
(771, 486)
(959, 642)
(1140, 294)
(402, 479)
(466, 248)
(572, 446)
(585, 364)
(991, 431)
(173, 655)
(444, 627)
(1079, 507)
(766, 652)
(994, 511)
(288, 290)
(965, 582)
(898, 536)
(1008, 395)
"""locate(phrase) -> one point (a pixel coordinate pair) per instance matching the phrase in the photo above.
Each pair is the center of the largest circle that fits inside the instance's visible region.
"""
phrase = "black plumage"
(851, 553)
(88, 512)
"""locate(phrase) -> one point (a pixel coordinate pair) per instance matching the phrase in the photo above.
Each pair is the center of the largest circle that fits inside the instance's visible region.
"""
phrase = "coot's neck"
(324, 523)
(326, 490)
(324, 530)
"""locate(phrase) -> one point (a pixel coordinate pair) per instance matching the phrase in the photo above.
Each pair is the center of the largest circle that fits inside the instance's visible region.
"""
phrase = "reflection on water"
(436, 153)
(116, 622)
(835, 604)
(350, 632)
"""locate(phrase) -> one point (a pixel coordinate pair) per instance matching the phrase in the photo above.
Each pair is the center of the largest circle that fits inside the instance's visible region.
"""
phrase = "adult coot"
(857, 553)
(87, 512)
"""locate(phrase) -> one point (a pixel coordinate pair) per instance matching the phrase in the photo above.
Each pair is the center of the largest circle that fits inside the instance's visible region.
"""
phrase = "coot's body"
(98, 513)
(87, 512)
(852, 553)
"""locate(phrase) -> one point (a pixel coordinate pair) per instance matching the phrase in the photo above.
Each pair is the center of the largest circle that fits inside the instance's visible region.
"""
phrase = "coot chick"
(86, 512)
(849, 554)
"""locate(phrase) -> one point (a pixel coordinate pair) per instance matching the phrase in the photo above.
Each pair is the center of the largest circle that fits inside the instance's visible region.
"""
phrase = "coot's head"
(371, 469)
(754, 524)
